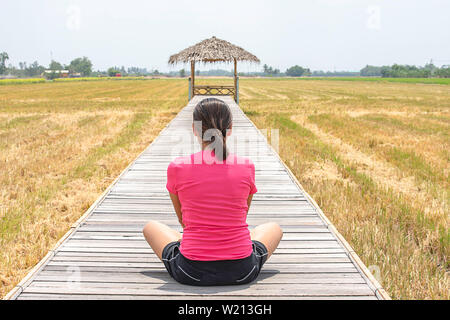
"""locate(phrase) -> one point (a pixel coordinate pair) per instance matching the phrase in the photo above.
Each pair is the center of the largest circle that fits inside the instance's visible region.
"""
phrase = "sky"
(321, 34)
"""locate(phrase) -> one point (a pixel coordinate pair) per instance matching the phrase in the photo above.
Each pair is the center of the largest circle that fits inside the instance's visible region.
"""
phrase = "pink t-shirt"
(213, 196)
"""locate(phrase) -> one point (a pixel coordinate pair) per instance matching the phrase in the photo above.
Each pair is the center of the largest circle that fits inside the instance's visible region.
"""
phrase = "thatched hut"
(213, 50)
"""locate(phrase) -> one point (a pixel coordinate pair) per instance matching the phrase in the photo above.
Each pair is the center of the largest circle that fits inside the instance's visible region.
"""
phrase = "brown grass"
(61, 145)
(375, 158)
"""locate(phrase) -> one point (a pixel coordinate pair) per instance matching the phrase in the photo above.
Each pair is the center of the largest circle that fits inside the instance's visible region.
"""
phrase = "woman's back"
(211, 191)
(213, 197)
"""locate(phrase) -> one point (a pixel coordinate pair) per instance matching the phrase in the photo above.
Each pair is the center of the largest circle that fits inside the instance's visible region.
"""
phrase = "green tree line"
(406, 71)
(82, 66)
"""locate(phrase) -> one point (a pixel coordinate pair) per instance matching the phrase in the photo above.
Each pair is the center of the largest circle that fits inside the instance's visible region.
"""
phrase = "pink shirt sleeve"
(171, 179)
(253, 188)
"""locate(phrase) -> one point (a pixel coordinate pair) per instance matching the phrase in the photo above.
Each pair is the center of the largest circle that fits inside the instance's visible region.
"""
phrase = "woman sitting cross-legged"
(211, 192)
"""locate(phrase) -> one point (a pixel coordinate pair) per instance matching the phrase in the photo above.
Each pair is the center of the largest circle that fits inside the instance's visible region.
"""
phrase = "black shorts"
(213, 273)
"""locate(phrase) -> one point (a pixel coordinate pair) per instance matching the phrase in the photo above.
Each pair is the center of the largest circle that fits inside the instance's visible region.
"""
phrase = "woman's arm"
(249, 201)
(177, 206)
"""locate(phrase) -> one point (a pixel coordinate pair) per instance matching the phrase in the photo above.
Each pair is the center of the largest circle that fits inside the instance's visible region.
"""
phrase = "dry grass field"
(374, 155)
(61, 145)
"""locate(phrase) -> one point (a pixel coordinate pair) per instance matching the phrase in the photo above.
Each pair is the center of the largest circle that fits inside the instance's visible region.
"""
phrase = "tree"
(137, 71)
(370, 71)
(54, 65)
(386, 71)
(3, 57)
(34, 69)
(182, 73)
(297, 71)
(270, 71)
(81, 65)
(113, 71)
(408, 71)
(443, 72)
(430, 68)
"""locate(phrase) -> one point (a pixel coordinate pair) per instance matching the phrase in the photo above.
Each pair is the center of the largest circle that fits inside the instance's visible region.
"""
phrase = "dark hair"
(214, 114)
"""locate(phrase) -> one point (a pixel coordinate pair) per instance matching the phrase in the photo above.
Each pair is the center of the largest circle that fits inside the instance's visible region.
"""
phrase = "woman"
(211, 192)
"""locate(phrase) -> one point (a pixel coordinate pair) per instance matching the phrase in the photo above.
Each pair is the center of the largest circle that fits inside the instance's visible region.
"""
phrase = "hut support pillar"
(190, 89)
(193, 78)
(237, 90)
(235, 81)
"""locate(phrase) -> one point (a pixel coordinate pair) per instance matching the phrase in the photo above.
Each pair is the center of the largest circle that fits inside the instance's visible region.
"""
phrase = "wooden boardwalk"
(104, 255)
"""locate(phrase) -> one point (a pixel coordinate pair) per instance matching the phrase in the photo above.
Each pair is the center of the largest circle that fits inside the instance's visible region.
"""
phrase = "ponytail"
(215, 117)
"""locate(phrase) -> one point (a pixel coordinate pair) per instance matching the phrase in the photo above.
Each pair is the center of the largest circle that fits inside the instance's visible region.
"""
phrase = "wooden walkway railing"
(104, 255)
(214, 90)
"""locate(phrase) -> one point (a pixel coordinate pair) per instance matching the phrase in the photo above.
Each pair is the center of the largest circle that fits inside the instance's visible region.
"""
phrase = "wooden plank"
(43, 296)
(275, 268)
(317, 289)
(163, 277)
(139, 236)
(279, 259)
(148, 258)
(299, 221)
(285, 258)
(93, 248)
(137, 228)
(284, 244)
(329, 267)
(152, 254)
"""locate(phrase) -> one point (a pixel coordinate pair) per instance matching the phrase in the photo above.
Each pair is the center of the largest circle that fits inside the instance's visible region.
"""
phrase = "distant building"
(52, 74)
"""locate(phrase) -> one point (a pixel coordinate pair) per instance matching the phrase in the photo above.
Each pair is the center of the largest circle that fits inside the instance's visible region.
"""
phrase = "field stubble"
(61, 145)
(374, 155)
(375, 158)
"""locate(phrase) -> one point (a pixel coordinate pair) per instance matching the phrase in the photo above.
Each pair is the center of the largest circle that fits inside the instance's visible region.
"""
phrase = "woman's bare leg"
(269, 234)
(158, 235)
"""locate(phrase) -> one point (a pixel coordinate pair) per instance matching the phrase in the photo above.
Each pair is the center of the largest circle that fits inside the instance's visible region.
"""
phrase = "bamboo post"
(237, 90)
(190, 89)
(235, 80)
(193, 78)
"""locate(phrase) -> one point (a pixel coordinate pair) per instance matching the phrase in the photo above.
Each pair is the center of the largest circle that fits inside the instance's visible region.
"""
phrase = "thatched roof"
(212, 50)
